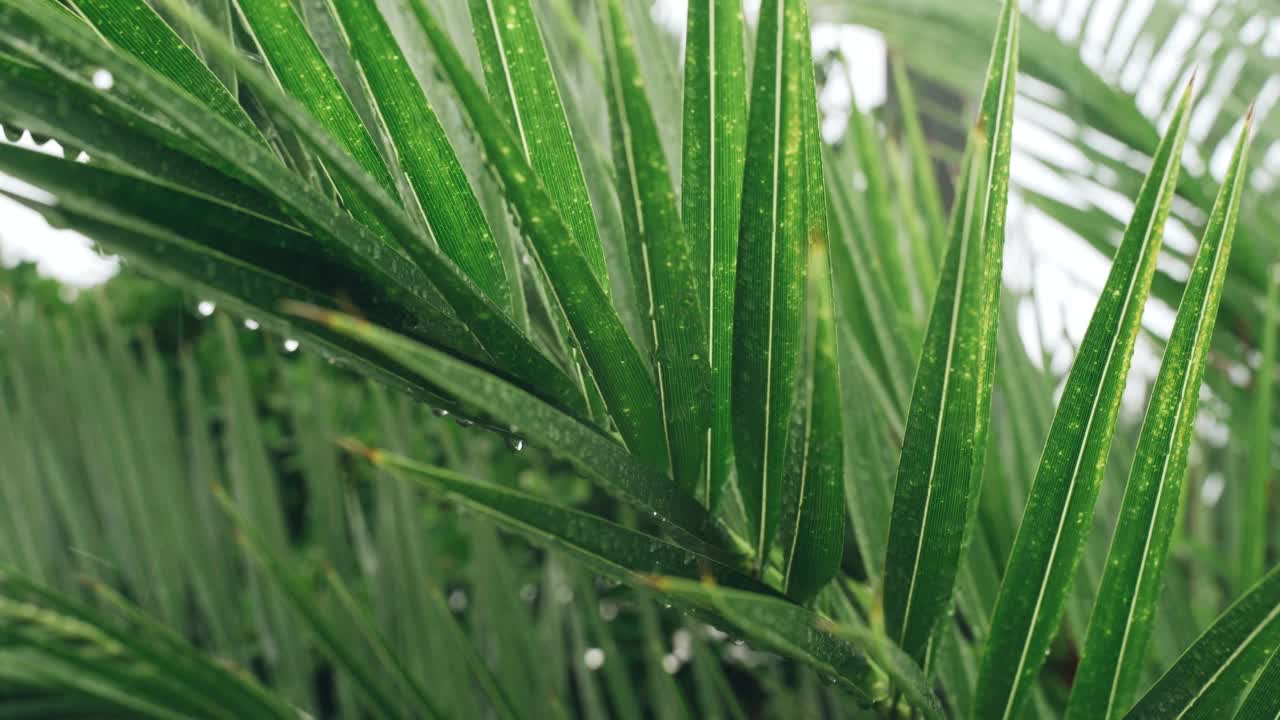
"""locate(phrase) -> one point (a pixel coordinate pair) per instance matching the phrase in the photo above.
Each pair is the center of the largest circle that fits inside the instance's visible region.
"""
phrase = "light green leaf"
(616, 365)
(378, 688)
(523, 87)
(768, 320)
(662, 261)
(939, 473)
(1121, 623)
(1254, 529)
(452, 211)
(1060, 506)
(1207, 680)
(715, 134)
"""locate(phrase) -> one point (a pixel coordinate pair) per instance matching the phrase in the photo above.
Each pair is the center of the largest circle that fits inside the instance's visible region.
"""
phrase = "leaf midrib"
(778, 92)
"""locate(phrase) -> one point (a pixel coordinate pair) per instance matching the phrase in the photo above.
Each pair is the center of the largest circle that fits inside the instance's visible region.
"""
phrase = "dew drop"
(103, 79)
(516, 444)
(593, 658)
(463, 422)
(458, 600)
(290, 345)
(251, 324)
(439, 412)
(206, 308)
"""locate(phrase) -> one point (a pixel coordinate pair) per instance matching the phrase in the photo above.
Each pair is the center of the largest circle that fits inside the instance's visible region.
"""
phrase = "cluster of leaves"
(721, 361)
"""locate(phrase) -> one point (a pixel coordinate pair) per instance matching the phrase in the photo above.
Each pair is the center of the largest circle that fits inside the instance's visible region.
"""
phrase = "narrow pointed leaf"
(1263, 700)
(774, 624)
(813, 541)
(66, 48)
(135, 27)
(612, 549)
(661, 259)
(328, 632)
(715, 135)
(939, 472)
(1121, 623)
(616, 365)
(1060, 506)
(1207, 680)
(1254, 529)
(524, 89)
(769, 294)
(298, 66)
(452, 211)
(595, 455)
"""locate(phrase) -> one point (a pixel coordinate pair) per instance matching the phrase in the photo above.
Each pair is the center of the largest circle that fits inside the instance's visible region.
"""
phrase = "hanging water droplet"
(439, 412)
(103, 79)
(458, 600)
(206, 308)
(516, 444)
(463, 422)
(290, 345)
(670, 664)
(593, 658)
(251, 324)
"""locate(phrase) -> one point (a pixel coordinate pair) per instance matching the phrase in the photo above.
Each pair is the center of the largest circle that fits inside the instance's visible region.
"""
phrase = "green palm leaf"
(1207, 680)
(768, 298)
(452, 212)
(1120, 626)
(524, 89)
(715, 134)
(628, 390)
(940, 468)
(1051, 536)
(662, 261)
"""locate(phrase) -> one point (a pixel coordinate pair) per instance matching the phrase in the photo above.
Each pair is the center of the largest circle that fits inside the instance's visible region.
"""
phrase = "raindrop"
(290, 345)
(458, 600)
(608, 610)
(515, 443)
(670, 664)
(439, 412)
(103, 79)
(463, 422)
(593, 658)
(206, 308)
(250, 324)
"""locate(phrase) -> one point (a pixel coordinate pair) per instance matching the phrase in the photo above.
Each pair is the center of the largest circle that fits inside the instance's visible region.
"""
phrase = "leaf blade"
(661, 258)
(1121, 623)
(452, 211)
(770, 275)
(1075, 451)
(946, 425)
(714, 140)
